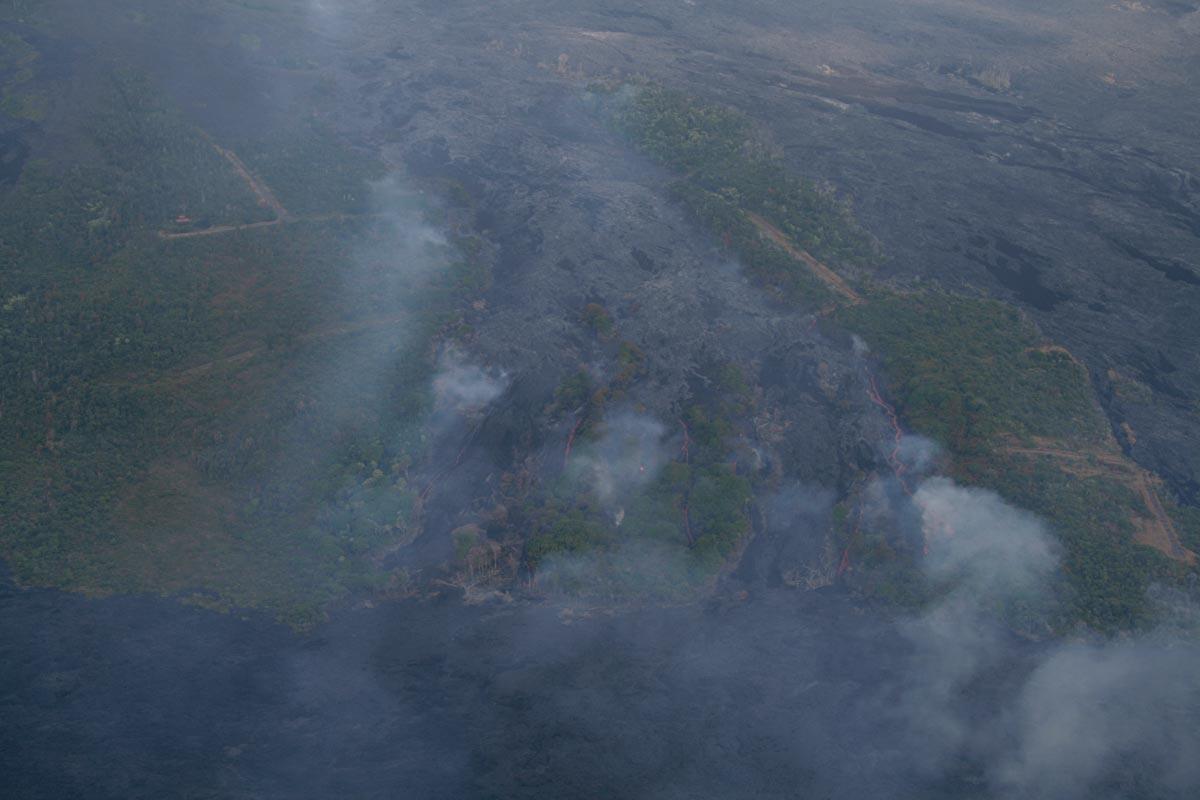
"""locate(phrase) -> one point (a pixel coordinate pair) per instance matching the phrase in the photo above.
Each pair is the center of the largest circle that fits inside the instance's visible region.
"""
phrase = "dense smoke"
(1083, 712)
(1089, 709)
(990, 551)
(463, 387)
(627, 455)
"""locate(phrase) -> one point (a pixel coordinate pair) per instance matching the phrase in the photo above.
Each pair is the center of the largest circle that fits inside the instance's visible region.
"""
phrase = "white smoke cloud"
(985, 551)
(1084, 708)
(918, 454)
(324, 15)
(463, 387)
(628, 454)
(1088, 707)
(990, 549)
(396, 204)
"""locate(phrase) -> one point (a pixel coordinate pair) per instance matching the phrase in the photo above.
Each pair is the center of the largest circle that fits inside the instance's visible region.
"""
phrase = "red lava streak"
(845, 565)
(894, 461)
(571, 440)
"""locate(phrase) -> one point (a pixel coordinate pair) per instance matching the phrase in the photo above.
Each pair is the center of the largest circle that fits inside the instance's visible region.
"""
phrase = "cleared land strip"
(270, 223)
(1158, 531)
(824, 273)
(217, 229)
(182, 376)
(266, 199)
(263, 192)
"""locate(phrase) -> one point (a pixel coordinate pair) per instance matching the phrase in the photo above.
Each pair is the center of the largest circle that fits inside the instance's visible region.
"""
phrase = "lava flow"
(894, 461)
(571, 439)
(845, 565)
(429, 487)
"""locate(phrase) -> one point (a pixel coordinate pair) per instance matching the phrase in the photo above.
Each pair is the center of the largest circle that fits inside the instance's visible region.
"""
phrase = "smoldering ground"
(627, 455)
(778, 693)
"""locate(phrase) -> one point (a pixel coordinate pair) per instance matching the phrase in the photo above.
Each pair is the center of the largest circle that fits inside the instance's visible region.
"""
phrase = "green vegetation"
(578, 548)
(885, 568)
(664, 538)
(598, 320)
(974, 375)
(970, 373)
(19, 98)
(311, 172)
(171, 422)
(964, 370)
(728, 170)
(188, 416)
(185, 174)
(573, 391)
(1105, 572)
(209, 447)
(632, 365)
(565, 532)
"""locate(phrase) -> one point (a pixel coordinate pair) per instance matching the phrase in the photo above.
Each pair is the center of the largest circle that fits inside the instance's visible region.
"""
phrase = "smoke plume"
(1084, 711)
(627, 455)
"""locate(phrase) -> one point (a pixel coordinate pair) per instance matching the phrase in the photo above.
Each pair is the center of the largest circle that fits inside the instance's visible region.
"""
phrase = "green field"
(171, 420)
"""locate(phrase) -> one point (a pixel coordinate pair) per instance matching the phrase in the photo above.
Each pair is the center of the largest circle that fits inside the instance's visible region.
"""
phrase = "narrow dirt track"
(358, 326)
(824, 273)
(266, 199)
(1159, 531)
(218, 229)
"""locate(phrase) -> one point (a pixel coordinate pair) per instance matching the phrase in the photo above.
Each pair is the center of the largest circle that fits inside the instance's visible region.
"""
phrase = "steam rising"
(1082, 710)
(1089, 706)
(990, 549)
(628, 455)
(464, 387)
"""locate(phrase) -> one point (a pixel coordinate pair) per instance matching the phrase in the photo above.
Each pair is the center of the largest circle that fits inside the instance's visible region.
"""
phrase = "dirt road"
(824, 273)
(266, 199)
(1158, 531)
